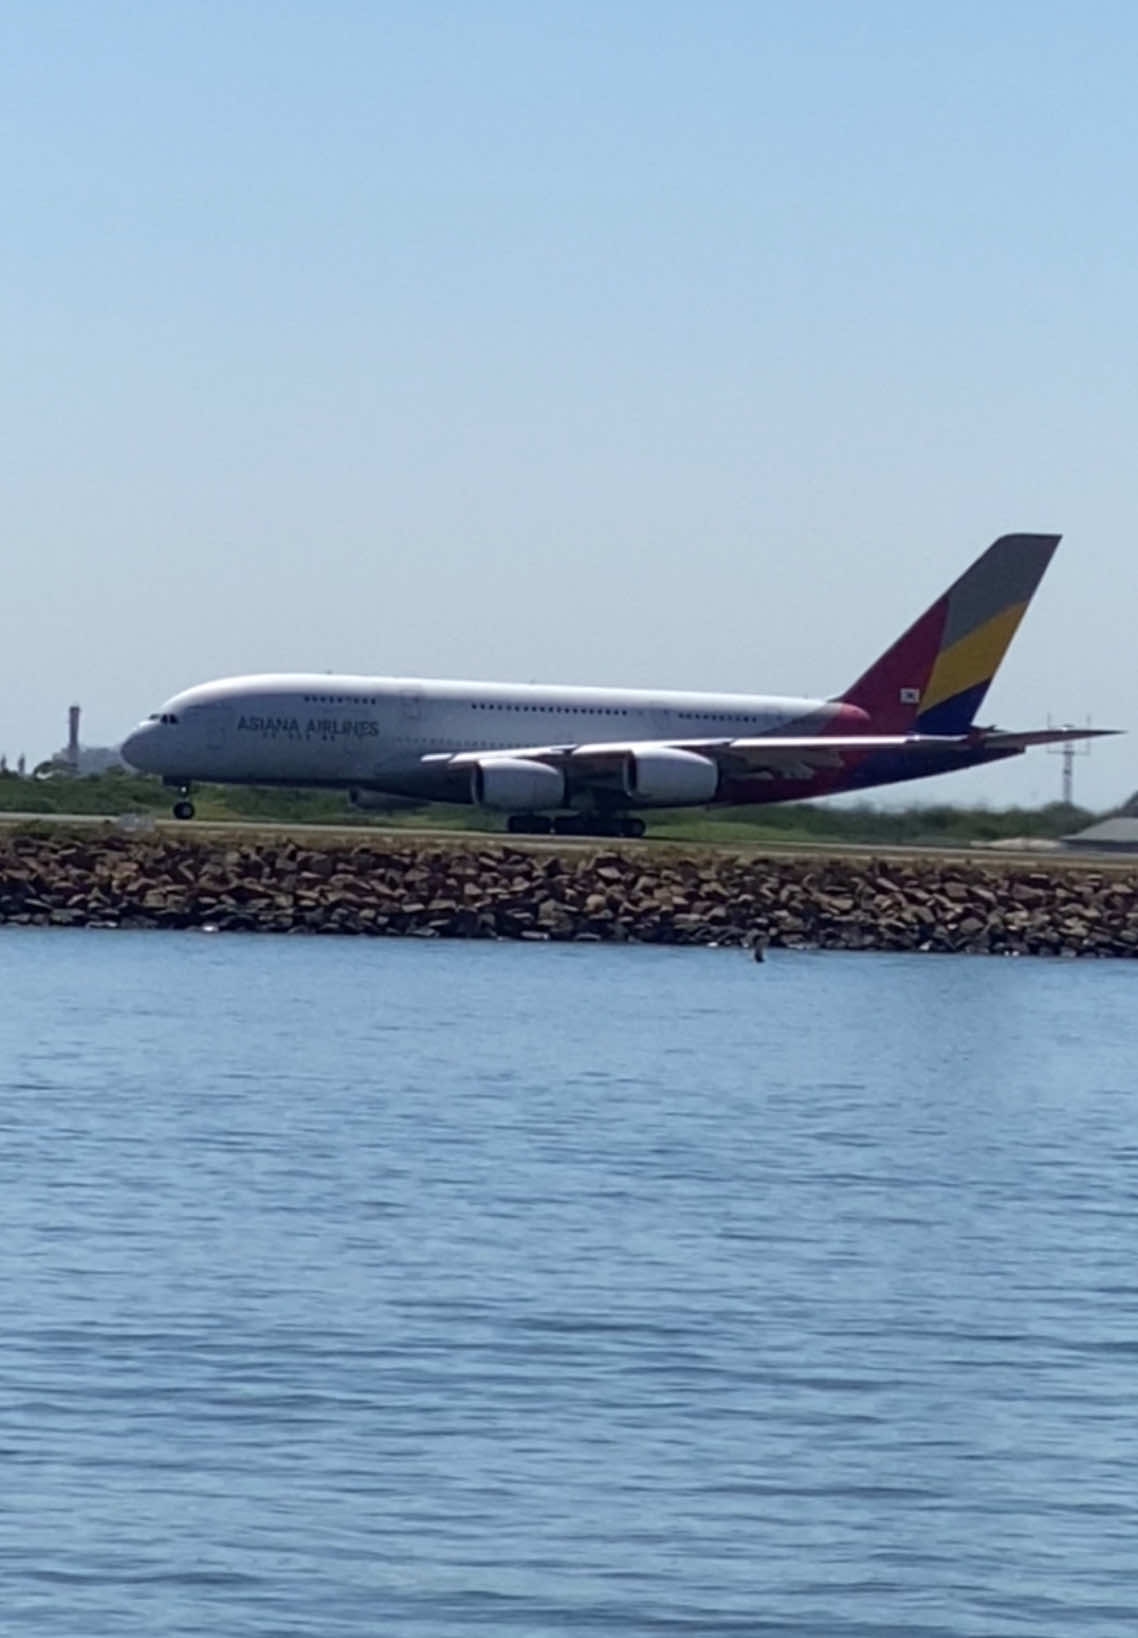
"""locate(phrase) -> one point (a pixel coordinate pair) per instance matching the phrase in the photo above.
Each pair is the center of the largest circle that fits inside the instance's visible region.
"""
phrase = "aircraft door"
(216, 721)
(410, 707)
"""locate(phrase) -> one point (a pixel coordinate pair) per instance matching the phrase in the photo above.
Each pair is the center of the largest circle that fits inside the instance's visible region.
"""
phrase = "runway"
(1046, 857)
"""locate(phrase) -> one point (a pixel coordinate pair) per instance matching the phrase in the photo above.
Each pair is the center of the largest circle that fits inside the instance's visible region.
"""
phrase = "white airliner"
(581, 760)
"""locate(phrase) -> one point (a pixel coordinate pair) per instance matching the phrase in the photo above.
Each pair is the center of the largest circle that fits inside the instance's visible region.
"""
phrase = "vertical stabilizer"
(935, 676)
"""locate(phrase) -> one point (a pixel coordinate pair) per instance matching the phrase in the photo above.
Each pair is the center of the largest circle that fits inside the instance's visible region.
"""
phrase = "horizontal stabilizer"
(1001, 741)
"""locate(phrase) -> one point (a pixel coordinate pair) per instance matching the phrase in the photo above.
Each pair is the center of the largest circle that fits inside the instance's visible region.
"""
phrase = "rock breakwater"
(482, 888)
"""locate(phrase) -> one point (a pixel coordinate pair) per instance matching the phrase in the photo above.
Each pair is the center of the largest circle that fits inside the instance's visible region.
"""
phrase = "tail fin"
(933, 678)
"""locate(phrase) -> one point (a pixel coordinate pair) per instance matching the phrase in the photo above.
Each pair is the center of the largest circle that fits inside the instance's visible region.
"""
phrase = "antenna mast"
(1069, 750)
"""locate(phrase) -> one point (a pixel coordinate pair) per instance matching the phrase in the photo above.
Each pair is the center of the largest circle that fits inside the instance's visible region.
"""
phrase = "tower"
(1069, 750)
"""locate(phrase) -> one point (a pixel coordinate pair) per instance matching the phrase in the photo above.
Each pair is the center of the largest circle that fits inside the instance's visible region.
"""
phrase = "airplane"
(582, 761)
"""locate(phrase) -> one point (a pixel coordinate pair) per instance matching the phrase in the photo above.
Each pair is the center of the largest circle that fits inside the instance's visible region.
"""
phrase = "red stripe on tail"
(890, 691)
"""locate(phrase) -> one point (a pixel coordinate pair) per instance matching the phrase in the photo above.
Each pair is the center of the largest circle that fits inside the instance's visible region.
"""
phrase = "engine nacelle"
(514, 785)
(669, 777)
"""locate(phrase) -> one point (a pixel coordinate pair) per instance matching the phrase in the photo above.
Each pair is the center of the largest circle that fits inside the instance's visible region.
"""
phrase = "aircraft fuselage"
(396, 735)
(531, 751)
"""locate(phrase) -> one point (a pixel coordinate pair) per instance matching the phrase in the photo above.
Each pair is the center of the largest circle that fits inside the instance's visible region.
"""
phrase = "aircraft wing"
(774, 758)
(600, 765)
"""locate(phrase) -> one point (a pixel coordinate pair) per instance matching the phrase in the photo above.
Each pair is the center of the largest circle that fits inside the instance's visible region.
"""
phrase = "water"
(353, 1287)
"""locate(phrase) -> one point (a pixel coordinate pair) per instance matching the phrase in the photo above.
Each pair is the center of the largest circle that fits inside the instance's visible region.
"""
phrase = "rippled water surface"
(435, 1288)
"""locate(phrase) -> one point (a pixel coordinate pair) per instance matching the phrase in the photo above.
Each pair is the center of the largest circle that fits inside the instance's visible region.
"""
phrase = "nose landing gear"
(183, 807)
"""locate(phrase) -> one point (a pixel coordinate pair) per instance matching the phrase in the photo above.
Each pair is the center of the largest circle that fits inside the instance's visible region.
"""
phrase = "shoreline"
(489, 887)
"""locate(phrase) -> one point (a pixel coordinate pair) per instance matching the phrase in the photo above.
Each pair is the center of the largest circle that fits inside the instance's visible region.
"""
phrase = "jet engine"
(514, 785)
(669, 777)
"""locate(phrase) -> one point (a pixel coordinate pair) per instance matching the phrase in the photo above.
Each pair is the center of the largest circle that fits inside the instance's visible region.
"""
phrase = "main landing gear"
(575, 824)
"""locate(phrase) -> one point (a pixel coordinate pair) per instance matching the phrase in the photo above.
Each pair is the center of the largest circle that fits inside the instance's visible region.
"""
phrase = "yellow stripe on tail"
(972, 660)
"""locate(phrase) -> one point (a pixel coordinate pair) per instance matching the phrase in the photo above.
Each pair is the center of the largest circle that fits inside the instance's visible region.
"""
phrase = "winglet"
(934, 678)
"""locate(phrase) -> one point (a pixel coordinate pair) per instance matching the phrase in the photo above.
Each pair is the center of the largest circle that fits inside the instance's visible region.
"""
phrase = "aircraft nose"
(140, 748)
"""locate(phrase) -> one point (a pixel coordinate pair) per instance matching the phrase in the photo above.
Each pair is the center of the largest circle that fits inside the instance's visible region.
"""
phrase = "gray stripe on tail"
(1007, 574)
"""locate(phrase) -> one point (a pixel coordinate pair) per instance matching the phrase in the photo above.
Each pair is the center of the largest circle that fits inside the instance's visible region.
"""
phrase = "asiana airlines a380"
(591, 761)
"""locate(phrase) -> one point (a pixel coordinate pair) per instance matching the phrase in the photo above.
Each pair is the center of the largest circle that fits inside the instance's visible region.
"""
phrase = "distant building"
(86, 759)
(75, 758)
(1116, 834)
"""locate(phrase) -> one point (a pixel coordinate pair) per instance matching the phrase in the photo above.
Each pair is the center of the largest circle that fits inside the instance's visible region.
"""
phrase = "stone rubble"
(486, 888)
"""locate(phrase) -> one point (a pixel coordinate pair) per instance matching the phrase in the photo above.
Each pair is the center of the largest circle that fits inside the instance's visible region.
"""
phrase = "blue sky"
(648, 344)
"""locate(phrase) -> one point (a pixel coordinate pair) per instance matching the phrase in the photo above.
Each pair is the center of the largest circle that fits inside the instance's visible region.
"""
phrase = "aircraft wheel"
(570, 825)
(183, 810)
(528, 824)
(632, 827)
(601, 824)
